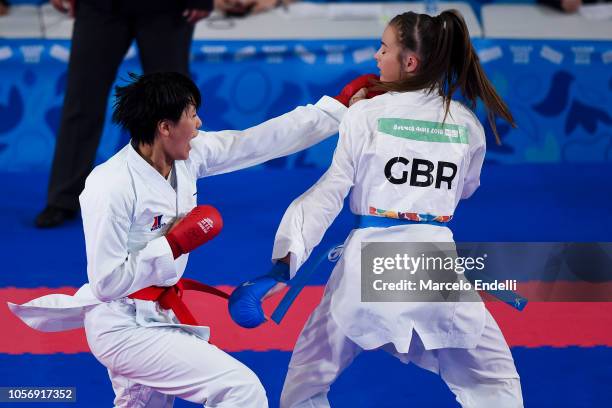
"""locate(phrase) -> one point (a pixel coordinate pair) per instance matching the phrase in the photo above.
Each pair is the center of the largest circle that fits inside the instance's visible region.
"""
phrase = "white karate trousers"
(482, 377)
(149, 366)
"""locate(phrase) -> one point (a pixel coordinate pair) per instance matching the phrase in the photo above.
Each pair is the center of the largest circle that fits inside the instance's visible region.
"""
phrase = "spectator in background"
(244, 7)
(569, 6)
(4, 7)
(102, 33)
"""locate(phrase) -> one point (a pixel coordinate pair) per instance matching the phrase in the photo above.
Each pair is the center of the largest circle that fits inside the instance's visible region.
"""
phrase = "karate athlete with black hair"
(134, 319)
(408, 156)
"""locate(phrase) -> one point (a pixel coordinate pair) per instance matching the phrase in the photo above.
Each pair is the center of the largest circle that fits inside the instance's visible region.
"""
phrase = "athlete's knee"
(285, 398)
(247, 390)
(498, 392)
(296, 401)
(300, 393)
(237, 387)
(253, 388)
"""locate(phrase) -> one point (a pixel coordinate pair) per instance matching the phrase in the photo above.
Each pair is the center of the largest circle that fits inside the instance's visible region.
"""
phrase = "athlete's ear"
(163, 127)
(410, 62)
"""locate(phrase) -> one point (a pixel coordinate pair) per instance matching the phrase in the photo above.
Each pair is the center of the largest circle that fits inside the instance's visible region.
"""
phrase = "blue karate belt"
(509, 297)
(364, 221)
(333, 254)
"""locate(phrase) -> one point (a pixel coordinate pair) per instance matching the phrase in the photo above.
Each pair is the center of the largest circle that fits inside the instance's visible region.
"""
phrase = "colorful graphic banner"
(559, 92)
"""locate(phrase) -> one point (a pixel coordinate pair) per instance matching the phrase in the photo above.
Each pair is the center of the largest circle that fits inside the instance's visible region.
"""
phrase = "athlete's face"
(181, 133)
(393, 61)
(388, 57)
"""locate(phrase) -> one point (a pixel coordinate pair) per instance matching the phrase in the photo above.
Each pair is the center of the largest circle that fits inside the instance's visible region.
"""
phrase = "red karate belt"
(170, 297)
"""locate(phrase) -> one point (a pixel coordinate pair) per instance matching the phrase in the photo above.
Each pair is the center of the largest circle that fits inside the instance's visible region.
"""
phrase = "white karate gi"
(458, 340)
(127, 207)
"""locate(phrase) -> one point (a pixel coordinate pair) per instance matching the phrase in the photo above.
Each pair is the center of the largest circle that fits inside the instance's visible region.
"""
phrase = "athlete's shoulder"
(465, 112)
(465, 116)
(111, 171)
(108, 184)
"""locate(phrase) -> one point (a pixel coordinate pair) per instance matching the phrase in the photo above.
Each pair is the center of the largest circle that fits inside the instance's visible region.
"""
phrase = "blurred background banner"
(558, 90)
(560, 95)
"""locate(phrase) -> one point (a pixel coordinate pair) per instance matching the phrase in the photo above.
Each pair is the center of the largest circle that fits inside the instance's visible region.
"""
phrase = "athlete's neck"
(155, 155)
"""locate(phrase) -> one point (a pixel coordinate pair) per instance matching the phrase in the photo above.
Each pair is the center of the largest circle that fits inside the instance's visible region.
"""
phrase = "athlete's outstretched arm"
(230, 150)
(309, 215)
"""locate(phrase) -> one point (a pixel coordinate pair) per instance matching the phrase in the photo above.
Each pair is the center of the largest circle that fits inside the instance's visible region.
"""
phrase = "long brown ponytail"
(448, 62)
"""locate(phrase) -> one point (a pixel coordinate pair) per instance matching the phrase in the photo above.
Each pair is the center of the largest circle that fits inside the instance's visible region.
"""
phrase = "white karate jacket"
(399, 161)
(127, 207)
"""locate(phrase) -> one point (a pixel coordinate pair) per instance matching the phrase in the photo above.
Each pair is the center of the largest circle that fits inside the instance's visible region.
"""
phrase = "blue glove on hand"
(245, 302)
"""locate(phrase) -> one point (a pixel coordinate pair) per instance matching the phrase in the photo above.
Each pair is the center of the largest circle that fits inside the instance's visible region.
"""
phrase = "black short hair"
(150, 98)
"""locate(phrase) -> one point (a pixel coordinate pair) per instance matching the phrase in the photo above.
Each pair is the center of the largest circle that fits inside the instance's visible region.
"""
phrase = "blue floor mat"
(514, 203)
(551, 378)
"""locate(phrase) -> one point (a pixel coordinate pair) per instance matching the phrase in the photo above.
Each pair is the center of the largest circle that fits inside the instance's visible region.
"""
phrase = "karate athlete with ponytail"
(407, 157)
(141, 221)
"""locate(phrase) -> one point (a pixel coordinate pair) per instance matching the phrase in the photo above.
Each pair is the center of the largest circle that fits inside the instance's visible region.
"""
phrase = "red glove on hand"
(363, 81)
(202, 224)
